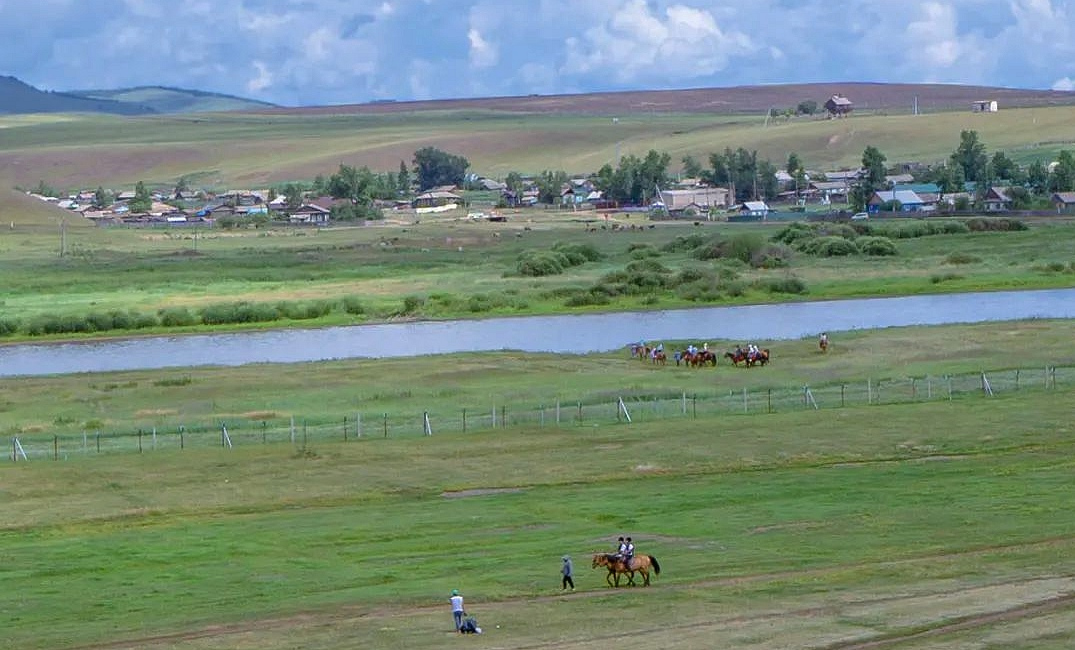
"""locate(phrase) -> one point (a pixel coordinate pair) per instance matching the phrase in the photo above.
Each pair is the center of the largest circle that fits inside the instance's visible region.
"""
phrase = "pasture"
(248, 150)
(917, 525)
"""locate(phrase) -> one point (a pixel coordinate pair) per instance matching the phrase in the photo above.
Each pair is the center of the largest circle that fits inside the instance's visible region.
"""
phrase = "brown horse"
(761, 358)
(736, 357)
(823, 342)
(640, 351)
(616, 566)
(659, 357)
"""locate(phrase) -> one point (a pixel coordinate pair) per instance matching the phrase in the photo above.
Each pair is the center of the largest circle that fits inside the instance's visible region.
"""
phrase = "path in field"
(913, 615)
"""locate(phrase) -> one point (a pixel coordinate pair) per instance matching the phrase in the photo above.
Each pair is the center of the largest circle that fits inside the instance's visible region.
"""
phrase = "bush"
(743, 246)
(844, 230)
(541, 263)
(953, 227)
(586, 298)
(685, 243)
(794, 232)
(578, 254)
(143, 321)
(239, 312)
(352, 305)
(877, 246)
(8, 326)
(962, 258)
(831, 247)
(938, 278)
(176, 317)
(304, 310)
(982, 224)
(771, 256)
(412, 304)
(786, 284)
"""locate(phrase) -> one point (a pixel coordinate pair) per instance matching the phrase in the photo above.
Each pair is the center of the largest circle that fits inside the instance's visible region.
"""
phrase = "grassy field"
(922, 525)
(223, 151)
(450, 267)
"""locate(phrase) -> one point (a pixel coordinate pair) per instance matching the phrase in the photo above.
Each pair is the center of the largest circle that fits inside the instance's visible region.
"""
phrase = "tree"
(808, 107)
(550, 184)
(873, 162)
(768, 187)
(434, 167)
(1005, 168)
(691, 167)
(293, 196)
(101, 198)
(403, 180)
(950, 178)
(142, 201)
(1037, 177)
(635, 179)
(970, 155)
(182, 185)
(1062, 177)
(515, 183)
(352, 184)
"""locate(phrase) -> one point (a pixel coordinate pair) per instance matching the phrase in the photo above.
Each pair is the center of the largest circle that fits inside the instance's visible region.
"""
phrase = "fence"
(603, 408)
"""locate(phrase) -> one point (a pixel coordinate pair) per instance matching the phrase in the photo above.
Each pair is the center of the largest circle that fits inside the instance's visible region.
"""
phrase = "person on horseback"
(752, 351)
(823, 341)
(628, 553)
(621, 548)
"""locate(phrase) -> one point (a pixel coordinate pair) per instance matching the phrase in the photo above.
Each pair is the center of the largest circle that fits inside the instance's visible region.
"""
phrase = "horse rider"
(621, 548)
(752, 350)
(823, 340)
(628, 553)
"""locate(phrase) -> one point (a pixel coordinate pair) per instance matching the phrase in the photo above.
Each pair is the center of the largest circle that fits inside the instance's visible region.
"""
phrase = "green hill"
(163, 99)
(19, 97)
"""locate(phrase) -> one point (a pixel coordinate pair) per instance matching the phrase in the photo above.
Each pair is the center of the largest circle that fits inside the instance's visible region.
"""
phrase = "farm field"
(251, 150)
(922, 525)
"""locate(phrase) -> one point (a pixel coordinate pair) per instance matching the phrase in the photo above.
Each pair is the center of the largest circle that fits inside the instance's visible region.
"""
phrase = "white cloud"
(1064, 83)
(260, 82)
(338, 51)
(483, 54)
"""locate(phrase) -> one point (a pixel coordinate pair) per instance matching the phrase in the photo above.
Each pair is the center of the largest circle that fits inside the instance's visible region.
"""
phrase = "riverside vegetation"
(119, 282)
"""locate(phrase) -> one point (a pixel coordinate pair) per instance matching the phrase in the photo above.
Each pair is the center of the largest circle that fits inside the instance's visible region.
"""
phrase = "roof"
(755, 206)
(438, 194)
(1064, 197)
(905, 197)
(919, 188)
(998, 194)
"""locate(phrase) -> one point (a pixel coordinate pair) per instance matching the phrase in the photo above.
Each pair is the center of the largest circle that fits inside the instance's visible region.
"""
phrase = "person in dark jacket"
(567, 571)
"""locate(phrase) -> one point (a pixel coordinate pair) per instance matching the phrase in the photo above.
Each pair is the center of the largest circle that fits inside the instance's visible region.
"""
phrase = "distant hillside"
(867, 97)
(163, 99)
(19, 97)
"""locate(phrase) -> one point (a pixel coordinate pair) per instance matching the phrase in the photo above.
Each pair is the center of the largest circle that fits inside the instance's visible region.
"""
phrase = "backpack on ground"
(469, 626)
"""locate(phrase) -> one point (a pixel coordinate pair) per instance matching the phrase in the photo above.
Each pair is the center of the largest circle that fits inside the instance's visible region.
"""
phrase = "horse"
(640, 351)
(823, 343)
(639, 563)
(659, 357)
(761, 358)
(706, 356)
(736, 357)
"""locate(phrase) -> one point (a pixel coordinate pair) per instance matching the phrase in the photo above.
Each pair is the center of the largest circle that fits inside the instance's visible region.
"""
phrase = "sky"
(320, 52)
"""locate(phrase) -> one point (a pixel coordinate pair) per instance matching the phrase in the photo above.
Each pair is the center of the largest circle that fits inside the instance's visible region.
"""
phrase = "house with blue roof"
(907, 200)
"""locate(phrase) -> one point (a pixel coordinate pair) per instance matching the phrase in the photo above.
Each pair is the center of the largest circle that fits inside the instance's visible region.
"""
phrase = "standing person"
(457, 608)
(567, 572)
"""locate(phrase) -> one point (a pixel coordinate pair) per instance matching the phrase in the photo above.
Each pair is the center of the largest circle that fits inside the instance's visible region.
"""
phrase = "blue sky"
(315, 52)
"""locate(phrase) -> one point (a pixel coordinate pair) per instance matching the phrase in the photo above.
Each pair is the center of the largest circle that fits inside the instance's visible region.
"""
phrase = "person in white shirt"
(457, 608)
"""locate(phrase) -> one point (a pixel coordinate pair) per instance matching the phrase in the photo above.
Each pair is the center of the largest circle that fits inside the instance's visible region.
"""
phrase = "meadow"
(115, 282)
(924, 525)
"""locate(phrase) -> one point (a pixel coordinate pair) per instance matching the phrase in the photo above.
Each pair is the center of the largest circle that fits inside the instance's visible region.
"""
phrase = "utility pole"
(63, 236)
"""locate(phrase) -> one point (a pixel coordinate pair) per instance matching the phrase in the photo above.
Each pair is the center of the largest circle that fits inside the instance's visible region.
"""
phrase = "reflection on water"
(566, 334)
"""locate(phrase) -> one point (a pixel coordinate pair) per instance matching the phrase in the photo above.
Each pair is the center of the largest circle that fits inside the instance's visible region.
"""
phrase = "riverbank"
(120, 283)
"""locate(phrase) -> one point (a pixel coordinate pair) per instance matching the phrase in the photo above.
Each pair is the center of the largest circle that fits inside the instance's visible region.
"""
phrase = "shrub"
(578, 254)
(953, 227)
(8, 326)
(304, 310)
(99, 322)
(831, 247)
(586, 298)
(685, 243)
(643, 251)
(352, 305)
(412, 304)
(962, 258)
(743, 246)
(143, 321)
(771, 256)
(646, 266)
(176, 317)
(982, 224)
(877, 246)
(844, 230)
(938, 278)
(794, 232)
(540, 263)
(786, 284)
(238, 312)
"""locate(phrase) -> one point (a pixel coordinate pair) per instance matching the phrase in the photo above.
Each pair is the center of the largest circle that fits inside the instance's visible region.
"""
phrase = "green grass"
(448, 268)
(778, 513)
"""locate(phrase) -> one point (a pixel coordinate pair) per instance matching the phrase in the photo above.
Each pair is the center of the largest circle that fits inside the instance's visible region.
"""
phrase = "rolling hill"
(18, 97)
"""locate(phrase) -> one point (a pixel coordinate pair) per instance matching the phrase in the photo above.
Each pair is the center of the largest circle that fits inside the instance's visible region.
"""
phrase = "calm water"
(567, 334)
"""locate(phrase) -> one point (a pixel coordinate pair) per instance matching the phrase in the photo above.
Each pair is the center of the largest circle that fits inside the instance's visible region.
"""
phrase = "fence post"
(385, 425)
(746, 409)
(139, 441)
(358, 425)
(464, 420)
(345, 428)
(580, 412)
(425, 423)
(914, 393)
(949, 387)
(842, 387)
(98, 442)
(182, 440)
(503, 416)
(264, 434)
(684, 402)
(869, 391)
(55, 447)
(493, 421)
(1016, 379)
(694, 405)
(557, 412)
(929, 387)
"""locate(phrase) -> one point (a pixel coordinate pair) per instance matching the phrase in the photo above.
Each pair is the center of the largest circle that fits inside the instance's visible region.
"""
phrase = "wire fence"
(594, 409)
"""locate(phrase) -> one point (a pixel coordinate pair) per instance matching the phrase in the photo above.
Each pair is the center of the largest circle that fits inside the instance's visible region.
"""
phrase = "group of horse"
(617, 567)
(700, 356)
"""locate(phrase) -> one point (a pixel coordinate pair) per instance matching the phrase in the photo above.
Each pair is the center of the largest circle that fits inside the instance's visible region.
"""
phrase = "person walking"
(457, 609)
(567, 572)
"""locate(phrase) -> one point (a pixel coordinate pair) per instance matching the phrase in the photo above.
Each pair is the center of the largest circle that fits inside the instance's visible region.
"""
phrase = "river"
(572, 334)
